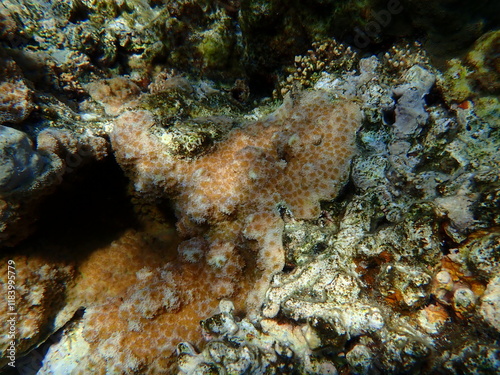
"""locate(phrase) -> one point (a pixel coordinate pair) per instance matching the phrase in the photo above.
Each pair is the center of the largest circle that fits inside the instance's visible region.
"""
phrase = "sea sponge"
(294, 158)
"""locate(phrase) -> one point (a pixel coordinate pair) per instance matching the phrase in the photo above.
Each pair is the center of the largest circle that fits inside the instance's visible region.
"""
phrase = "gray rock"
(20, 164)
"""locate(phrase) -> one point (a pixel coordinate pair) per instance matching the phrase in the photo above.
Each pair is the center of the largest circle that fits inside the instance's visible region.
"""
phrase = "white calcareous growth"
(490, 303)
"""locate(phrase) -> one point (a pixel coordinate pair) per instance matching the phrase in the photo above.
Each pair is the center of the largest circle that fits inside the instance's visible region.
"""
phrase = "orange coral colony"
(227, 203)
(297, 156)
(150, 287)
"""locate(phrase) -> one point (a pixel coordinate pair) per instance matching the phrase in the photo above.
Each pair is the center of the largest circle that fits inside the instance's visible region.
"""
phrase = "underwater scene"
(246, 187)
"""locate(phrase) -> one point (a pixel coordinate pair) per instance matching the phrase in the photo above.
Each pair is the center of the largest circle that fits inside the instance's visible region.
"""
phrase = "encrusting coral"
(16, 97)
(158, 300)
(297, 156)
(40, 296)
(228, 199)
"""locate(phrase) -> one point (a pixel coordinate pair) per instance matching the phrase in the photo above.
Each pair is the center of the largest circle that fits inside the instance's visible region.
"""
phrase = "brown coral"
(148, 296)
(114, 94)
(39, 296)
(296, 157)
(28, 175)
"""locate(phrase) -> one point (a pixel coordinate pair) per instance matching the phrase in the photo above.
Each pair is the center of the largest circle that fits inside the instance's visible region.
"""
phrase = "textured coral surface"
(295, 157)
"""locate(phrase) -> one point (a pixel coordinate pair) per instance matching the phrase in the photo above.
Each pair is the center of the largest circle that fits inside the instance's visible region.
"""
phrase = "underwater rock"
(27, 175)
(239, 347)
(68, 344)
(474, 77)
(360, 359)
(410, 115)
(381, 251)
(20, 164)
(16, 95)
(490, 303)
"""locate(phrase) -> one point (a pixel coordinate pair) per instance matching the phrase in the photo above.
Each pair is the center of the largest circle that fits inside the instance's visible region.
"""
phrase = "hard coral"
(151, 299)
(327, 56)
(114, 94)
(39, 300)
(16, 97)
(297, 156)
(16, 103)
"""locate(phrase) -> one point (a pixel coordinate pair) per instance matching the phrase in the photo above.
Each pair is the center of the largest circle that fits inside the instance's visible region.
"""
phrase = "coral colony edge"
(248, 187)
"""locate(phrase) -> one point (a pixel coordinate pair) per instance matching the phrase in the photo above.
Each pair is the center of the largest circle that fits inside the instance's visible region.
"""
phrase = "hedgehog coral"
(297, 156)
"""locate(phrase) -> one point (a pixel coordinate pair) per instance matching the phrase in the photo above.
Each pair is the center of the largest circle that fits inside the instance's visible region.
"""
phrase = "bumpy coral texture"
(39, 297)
(114, 94)
(152, 298)
(16, 98)
(297, 156)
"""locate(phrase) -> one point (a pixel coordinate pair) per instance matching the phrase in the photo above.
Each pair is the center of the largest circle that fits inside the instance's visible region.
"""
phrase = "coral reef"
(35, 155)
(376, 252)
(474, 78)
(114, 94)
(328, 56)
(161, 306)
(40, 301)
(293, 158)
(238, 347)
(348, 224)
(16, 102)
(27, 175)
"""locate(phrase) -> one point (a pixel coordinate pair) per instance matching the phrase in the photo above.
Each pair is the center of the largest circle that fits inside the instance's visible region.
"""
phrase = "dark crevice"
(91, 208)
(389, 117)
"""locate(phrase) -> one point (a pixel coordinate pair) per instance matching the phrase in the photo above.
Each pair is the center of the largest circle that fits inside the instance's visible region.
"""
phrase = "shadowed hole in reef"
(79, 224)
(91, 205)
(90, 209)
